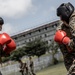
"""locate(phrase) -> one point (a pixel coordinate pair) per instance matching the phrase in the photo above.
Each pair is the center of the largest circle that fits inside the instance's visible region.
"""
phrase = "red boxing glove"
(60, 37)
(10, 47)
(4, 39)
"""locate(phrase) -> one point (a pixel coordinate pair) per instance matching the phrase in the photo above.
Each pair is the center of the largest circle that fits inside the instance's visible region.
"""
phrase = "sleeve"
(72, 30)
(72, 25)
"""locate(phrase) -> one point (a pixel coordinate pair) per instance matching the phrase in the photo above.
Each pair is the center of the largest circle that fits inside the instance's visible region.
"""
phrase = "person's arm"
(72, 24)
(72, 30)
(10, 47)
(61, 37)
(4, 38)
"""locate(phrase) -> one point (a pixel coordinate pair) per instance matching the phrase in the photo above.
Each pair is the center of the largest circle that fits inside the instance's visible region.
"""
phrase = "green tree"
(53, 50)
(36, 47)
(17, 54)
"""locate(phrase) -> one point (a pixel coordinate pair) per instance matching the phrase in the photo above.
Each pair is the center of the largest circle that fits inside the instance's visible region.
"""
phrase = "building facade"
(46, 32)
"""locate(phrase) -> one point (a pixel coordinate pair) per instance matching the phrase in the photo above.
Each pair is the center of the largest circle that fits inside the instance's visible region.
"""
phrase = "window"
(45, 28)
(24, 35)
(15, 38)
(29, 39)
(54, 26)
(25, 41)
(40, 36)
(29, 33)
(45, 35)
(39, 30)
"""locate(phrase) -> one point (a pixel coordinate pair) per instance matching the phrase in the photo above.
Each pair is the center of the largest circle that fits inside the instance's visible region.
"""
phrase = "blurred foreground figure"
(7, 44)
(23, 68)
(31, 66)
(65, 35)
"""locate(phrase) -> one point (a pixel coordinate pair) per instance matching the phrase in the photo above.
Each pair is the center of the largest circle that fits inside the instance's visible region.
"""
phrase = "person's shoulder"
(59, 25)
(73, 14)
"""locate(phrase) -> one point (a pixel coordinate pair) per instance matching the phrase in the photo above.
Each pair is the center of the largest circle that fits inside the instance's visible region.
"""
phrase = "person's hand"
(61, 37)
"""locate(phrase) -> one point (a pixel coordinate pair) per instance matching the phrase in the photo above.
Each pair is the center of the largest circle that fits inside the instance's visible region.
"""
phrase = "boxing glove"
(61, 37)
(4, 39)
(10, 47)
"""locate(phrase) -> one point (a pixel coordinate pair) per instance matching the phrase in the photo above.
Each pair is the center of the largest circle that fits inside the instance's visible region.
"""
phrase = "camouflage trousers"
(72, 69)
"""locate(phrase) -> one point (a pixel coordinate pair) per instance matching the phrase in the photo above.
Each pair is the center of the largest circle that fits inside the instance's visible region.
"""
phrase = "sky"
(23, 15)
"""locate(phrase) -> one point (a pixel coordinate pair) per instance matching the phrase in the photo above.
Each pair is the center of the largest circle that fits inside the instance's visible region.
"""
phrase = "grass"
(58, 69)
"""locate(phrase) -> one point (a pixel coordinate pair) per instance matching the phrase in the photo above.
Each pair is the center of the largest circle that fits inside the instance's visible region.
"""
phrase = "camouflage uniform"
(31, 67)
(70, 30)
(72, 69)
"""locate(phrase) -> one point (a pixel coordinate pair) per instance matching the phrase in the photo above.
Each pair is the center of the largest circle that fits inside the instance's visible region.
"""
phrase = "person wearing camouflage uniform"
(67, 24)
(31, 66)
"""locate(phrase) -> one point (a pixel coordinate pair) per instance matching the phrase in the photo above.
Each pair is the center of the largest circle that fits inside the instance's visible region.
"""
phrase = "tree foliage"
(17, 54)
(53, 50)
(36, 47)
(53, 47)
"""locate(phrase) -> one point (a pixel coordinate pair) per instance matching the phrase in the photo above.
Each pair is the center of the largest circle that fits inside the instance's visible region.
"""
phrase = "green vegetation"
(53, 50)
(37, 47)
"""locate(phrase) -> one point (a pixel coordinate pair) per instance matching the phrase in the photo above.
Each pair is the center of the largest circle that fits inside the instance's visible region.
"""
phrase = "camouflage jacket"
(70, 30)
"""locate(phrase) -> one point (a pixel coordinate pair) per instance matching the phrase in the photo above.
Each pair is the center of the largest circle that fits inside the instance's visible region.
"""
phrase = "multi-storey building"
(45, 32)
